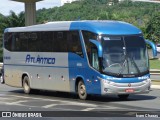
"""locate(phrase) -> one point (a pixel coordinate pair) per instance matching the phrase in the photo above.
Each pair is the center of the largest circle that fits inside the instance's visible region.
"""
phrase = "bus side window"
(24, 41)
(46, 41)
(74, 43)
(8, 41)
(94, 57)
(87, 36)
(60, 42)
(34, 42)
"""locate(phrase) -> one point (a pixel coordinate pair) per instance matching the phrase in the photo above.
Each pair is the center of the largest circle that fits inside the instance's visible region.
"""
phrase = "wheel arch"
(23, 75)
(78, 78)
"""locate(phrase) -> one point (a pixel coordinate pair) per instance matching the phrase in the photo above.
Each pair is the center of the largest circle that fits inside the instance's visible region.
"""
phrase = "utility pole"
(30, 11)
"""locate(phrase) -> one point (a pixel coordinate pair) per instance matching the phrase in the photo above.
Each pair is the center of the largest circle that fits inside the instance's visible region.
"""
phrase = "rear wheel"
(125, 96)
(82, 90)
(26, 85)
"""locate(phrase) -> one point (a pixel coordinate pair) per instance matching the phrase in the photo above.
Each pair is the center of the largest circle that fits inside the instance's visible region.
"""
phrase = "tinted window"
(58, 41)
(46, 41)
(8, 41)
(74, 44)
(87, 36)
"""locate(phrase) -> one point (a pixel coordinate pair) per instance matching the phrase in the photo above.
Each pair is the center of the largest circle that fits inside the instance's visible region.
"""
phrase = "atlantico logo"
(39, 60)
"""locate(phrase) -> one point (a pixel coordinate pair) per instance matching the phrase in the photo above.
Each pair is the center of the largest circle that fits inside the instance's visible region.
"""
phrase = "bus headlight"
(105, 81)
(147, 81)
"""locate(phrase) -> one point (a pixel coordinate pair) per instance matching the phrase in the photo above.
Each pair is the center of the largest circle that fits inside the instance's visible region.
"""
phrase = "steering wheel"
(114, 64)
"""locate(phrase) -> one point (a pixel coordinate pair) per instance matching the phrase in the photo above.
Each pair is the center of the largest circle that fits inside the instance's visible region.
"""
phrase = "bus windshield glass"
(124, 55)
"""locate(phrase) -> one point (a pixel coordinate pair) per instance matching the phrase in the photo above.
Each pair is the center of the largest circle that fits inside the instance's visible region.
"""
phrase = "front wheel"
(82, 90)
(26, 85)
(125, 96)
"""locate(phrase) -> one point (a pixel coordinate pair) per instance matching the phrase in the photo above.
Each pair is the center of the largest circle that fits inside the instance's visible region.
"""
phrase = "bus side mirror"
(154, 49)
(98, 45)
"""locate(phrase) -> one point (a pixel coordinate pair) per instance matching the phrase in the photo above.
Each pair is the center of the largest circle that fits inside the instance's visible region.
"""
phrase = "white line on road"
(2, 94)
(2, 98)
(43, 99)
(78, 104)
(64, 101)
(88, 109)
(17, 102)
(49, 106)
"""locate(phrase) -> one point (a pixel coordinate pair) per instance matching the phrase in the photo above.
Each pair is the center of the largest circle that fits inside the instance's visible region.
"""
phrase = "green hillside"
(146, 16)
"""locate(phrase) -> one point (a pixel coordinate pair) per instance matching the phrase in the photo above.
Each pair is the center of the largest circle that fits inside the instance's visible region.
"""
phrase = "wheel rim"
(82, 90)
(26, 86)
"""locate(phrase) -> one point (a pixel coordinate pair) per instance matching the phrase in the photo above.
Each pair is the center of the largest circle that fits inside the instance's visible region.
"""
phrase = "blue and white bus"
(83, 57)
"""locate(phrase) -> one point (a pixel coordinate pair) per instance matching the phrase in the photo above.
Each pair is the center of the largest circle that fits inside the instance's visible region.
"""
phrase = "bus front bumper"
(108, 87)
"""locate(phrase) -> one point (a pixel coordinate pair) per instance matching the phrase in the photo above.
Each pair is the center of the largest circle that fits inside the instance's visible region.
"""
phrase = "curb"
(155, 73)
(155, 86)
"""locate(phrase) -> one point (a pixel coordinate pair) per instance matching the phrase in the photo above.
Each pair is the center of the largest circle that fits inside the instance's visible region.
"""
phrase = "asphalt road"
(65, 104)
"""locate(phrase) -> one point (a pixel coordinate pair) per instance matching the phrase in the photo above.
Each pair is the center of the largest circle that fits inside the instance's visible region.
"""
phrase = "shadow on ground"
(92, 98)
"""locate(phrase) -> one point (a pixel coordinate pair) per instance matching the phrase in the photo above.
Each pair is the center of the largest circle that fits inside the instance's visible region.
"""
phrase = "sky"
(7, 5)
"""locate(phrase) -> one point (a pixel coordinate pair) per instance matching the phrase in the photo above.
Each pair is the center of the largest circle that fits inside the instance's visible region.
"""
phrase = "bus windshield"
(124, 55)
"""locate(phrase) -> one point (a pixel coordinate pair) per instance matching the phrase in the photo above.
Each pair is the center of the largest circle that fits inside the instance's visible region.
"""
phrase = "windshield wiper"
(134, 63)
(123, 65)
(125, 60)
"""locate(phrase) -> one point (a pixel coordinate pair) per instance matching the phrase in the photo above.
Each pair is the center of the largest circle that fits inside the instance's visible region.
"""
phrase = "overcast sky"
(7, 5)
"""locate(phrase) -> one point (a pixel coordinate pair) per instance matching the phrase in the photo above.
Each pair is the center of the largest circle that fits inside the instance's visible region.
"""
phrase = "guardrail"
(1, 64)
(154, 72)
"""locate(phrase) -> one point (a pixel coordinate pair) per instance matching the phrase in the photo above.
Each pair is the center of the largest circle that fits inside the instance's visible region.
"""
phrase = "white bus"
(84, 57)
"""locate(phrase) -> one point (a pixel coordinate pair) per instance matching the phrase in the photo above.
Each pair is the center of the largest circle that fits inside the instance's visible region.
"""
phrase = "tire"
(82, 90)
(124, 96)
(2, 80)
(26, 85)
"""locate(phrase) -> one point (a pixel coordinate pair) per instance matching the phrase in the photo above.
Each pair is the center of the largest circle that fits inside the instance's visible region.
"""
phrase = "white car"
(158, 48)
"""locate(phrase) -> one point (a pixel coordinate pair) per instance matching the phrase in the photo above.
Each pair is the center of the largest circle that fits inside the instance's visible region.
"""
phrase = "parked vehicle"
(158, 48)
(1, 76)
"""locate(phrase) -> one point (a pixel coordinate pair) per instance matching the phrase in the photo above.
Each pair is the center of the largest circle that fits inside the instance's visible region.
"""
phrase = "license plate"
(129, 90)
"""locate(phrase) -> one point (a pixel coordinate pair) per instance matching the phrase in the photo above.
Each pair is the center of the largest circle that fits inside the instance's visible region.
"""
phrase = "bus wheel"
(125, 96)
(82, 90)
(26, 85)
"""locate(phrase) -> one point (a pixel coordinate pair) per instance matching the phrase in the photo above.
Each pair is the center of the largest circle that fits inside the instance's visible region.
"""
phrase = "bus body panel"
(43, 75)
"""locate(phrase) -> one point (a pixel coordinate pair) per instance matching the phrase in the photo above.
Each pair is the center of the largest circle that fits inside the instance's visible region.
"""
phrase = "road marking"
(64, 101)
(49, 106)
(88, 109)
(131, 113)
(2, 94)
(1, 98)
(78, 104)
(17, 102)
(43, 99)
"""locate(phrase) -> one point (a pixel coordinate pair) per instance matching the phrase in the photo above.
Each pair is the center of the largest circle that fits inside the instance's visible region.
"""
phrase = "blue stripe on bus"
(127, 80)
(106, 27)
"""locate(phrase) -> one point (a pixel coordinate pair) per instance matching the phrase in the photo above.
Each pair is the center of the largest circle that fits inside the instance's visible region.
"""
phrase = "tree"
(153, 28)
(13, 20)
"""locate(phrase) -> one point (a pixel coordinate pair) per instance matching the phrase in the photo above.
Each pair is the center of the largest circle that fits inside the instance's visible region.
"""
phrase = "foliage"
(155, 64)
(153, 28)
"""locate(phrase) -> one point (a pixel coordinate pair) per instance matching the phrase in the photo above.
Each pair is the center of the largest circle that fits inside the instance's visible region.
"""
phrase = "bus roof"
(96, 26)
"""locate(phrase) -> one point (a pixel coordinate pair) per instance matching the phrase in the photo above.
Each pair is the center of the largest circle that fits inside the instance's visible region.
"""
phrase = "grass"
(154, 64)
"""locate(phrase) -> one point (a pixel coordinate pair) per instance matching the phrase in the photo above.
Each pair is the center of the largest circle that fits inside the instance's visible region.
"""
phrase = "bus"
(89, 57)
